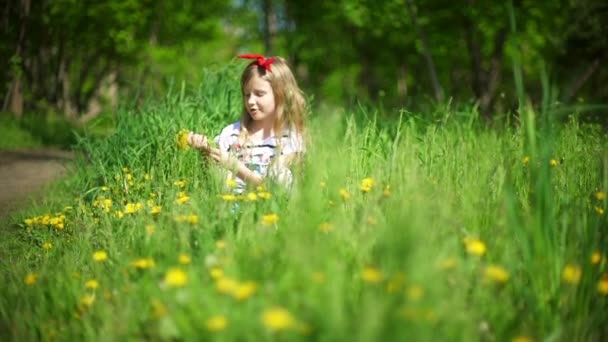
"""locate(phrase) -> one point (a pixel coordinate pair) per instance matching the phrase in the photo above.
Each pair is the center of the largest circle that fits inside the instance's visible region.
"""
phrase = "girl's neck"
(260, 131)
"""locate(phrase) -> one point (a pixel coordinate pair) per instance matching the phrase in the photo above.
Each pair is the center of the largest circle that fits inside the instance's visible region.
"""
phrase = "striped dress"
(258, 157)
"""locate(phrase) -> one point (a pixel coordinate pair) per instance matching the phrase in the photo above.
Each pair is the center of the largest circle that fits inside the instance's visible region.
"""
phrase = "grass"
(463, 233)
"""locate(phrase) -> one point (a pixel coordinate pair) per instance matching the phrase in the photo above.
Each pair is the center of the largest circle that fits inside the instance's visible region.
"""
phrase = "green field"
(400, 226)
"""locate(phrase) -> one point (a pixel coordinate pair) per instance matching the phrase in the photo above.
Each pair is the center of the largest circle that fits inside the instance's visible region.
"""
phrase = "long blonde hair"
(291, 107)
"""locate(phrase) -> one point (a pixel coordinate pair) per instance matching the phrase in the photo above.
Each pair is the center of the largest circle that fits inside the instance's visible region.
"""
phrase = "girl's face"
(259, 101)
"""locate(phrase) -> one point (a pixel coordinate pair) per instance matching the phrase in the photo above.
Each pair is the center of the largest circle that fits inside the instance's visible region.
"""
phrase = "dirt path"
(24, 172)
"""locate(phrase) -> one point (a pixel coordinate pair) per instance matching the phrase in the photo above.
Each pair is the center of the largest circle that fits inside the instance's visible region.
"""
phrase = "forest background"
(70, 62)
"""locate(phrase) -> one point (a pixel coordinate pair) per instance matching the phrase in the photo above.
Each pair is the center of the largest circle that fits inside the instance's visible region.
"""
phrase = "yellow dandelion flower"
(571, 274)
(105, 188)
(176, 277)
(216, 273)
(231, 183)
(599, 210)
(244, 290)
(158, 309)
(216, 323)
(131, 208)
(91, 284)
(475, 246)
(143, 263)
(526, 160)
(522, 339)
(600, 195)
(228, 197)
(220, 244)
(155, 210)
(495, 273)
(278, 319)
(184, 259)
(47, 245)
(28, 222)
(30, 278)
(596, 258)
(182, 198)
(181, 139)
(602, 286)
(264, 195)
(344, 194)
(367, 184)
(270, 219)
(119, 214)
(100, 256)
(326, 227)
(150, 229)
(226, 285)
(180, 184)
(372, 275)
(553, 162)
(87, 300)
(252, 196)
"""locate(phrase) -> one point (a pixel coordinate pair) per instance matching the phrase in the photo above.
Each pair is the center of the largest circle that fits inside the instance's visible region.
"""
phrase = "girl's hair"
(289, 99)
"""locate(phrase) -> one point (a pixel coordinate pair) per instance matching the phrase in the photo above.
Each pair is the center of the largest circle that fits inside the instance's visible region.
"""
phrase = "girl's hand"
(224, 159)
(198, 141)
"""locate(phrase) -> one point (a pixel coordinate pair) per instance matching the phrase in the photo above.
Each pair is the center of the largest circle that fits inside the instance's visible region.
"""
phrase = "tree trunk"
(13, 100)
(269, 27)
(438, 90)
(578, 83)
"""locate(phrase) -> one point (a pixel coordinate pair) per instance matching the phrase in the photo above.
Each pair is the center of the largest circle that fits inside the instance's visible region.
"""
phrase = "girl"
(269, 136)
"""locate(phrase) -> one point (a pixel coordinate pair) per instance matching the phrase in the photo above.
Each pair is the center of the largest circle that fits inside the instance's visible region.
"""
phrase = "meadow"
(425, 226)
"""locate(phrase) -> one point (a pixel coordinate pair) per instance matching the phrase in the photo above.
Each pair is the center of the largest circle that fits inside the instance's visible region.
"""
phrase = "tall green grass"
(387, 264)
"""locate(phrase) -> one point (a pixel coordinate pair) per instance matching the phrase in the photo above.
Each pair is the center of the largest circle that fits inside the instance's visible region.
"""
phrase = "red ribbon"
(261, 60)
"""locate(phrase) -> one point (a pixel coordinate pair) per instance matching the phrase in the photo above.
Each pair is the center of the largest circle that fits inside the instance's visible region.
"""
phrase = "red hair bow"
(261, 60)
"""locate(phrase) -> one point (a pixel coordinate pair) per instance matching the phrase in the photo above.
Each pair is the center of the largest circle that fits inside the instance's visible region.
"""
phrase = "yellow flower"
(244, 290)
(553, 162)
(184, 259)
(599, 210)
(143, 263)
(216, 273)
(30, 278)
(496, 274)
(602, 286)
(371, 275)
(150, 229)
(326, 227)
(100, 256)
(182, 198)
(29, 222)
(87, 300)
(522, 339)
(231, 183)
(156, 210)
(475, 246)
(176, 277)
(600, 195)
(571, 274)
(344, 194)
(91, 284)
(181, 138)
(526, 160)
(252, 196)
(131, 208)
(278, 319)
(180, 183)
(158, 308)
(220, 244)
(270, 219)
(119, 214)
(47, 245)
(228, 197)
(226, 285)
(264, 195)
(596, 258)
(216, 323)
(367, 184)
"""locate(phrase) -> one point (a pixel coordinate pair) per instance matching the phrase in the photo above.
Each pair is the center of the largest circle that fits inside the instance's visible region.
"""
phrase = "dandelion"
(220, 244)
(600, 195)
(228, 197)
(596, 258)
(30, 278)
(252, 196)
(372, 275)
(216, 323)
(264, 195)
(119, 214)
(100, 256)
(28, 222)
(182, 198)
(553, 162)
(216, 273)
(181, 138)
(180, 184)
(105, 188)
(150, 229)
(496, 274)
(367, 184)
(599, 210)
(326, 227)
(526, 160)
(158, 308)
(602, 286)
(522, 339)
(270, 219)
(184, 259)
(244, 290)
(278, 319)
(226, 285)
(571, 274)
(344, 194)
(132, 208)
(143, 263)
(91, 284)
(47, 245)
(176, 277)
(231, 183)
(87, 300)
(475, 246)
(156, 210)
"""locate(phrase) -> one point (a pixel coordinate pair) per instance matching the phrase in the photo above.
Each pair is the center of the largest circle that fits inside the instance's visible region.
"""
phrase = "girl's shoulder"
(228, 135)
(232, 128)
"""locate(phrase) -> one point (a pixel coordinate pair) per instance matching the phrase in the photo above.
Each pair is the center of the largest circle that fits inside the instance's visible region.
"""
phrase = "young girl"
(269, 135)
